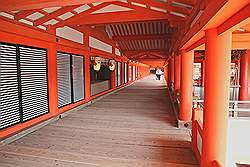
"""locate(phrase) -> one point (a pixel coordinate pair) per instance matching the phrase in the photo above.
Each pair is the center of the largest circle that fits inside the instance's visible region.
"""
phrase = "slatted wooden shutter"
(64, 79)
(78, 80)
(33, 65)
(9, 96)
(118, 73)
(125, 73)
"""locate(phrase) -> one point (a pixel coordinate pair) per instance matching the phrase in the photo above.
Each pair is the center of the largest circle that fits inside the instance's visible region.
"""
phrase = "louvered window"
(9, 98)
(23, 84)
(33, 82)
(118, 73)
(125, 72)
(64, 79)
(78, 80)
(70, 76)
(134, 73)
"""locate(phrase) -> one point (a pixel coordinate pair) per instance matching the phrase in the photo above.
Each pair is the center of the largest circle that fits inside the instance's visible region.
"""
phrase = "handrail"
(234, 107)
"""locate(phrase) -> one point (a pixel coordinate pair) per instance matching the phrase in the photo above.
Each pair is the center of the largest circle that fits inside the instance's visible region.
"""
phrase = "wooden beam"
(22, 14)
(138, 14)
(120, 17)
(196, 44)
(133, 52)
(13, 5)
(54, 14)
(141, 37)
(239, 17)
(81, 15)
(163, 5)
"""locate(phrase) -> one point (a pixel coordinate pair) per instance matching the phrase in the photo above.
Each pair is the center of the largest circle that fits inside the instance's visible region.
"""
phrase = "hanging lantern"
(111, 65)
(97, 63)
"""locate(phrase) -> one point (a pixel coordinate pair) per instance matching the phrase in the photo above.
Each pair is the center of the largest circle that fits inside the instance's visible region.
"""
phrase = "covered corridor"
(76, 87)
(135, 127)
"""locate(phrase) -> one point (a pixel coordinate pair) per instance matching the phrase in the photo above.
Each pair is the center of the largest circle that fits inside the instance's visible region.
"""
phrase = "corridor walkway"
(134, 127)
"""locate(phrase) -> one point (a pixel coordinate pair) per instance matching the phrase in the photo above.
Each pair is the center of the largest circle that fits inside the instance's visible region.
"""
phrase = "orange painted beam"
(13, 5)
(215, 14)
(239, 17)
(196, 44)
(138, 14)
(164, 6)
(54, 14)
(22, 14)
(83, 15)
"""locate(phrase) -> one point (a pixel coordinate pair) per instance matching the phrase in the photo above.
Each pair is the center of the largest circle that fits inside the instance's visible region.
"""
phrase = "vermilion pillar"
(187, 60)
(216, 97)
(172, 70)
(237, 78)
(202, 73)
(169, 73)
(122, 73)
(177, 74)
(87, 68)
(243, 77)
(248, 53)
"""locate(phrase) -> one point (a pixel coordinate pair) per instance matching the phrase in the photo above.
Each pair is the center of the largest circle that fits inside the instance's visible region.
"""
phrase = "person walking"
(158, 74)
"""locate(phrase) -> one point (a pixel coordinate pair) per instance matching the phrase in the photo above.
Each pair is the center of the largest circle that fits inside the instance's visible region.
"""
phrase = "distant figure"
(158, 74)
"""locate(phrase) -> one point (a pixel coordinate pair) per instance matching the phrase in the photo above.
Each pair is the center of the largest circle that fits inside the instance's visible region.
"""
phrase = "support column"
(243, 94)
(248, 53)
(177, 76)
(237, 78)
(52, 75)
(122, 73)
(169, 73)
(187, 60)
(87, 68)
(172, 70)
(202, 73)
(216, 98)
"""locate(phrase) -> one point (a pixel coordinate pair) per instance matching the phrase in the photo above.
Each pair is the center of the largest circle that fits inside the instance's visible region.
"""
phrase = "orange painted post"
(122, 73)
(216, 97)
(248, 53)
(52, 76)
(52, 80)
(202, 73)
(237, 79)
(169, 73)
(112, 80)
(87, 76)
(172, 70)
(177, 74)
(186, 92)
(243, 94)
(87, 68)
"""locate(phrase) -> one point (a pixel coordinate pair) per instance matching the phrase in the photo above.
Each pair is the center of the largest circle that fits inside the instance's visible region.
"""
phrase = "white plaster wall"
(97, 44)
(70, 34)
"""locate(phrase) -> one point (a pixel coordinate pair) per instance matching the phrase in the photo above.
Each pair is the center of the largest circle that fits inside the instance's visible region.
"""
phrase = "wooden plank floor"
(134, 127)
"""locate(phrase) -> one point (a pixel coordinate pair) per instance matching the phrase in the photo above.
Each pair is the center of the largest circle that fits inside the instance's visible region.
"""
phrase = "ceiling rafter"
(23, 14)
(82, 15)
(55, 14)
(163, 5)
(13, 5)
(126, 16)
(142, 37)
(139, 8)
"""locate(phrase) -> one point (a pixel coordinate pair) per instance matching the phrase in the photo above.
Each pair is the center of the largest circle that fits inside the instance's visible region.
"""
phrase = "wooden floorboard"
(134, 127)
